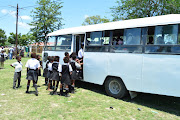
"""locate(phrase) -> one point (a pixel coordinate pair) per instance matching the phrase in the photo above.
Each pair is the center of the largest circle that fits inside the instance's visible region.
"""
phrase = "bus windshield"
(64, 42)
(59, 43)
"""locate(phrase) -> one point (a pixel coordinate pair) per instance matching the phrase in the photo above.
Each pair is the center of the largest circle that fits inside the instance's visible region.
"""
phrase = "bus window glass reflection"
(132, 36)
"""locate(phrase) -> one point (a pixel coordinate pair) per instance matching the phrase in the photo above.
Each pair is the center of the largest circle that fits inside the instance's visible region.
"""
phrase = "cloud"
(25, 17)
(23, 25)
(10, 12)
(85, 16)
(4, 11)
(13, 13)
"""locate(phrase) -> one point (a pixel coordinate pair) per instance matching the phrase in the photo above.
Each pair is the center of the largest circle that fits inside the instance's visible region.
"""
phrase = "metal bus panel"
(97, 66)
(161, 74)
(128, 67)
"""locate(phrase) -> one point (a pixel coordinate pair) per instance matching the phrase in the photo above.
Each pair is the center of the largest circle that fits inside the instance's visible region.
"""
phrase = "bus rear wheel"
(115, 87)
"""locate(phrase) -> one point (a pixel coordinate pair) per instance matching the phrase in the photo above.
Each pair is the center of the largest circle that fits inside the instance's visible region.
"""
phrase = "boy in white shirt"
(17, 74)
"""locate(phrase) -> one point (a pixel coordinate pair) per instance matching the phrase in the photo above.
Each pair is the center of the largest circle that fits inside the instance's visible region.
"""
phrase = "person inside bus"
(160, 40)
(119, 41)
(80, 57)
(151, 41)
(81, 53)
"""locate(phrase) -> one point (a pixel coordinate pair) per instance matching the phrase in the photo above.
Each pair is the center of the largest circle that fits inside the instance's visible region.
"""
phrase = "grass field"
(89, 102)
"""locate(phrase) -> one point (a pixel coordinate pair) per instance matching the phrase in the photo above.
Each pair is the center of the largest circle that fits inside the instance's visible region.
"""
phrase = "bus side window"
(179, 34)
(117, 37)
(132, 36)
(127, 41)
(165, 40)
(150, 40)
(98, 41)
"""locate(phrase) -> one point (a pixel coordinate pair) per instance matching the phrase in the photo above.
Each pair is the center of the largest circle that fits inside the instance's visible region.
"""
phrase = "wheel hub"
(114, 87)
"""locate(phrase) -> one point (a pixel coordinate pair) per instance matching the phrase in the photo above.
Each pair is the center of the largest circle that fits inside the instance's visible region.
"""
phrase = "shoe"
(54, 93)
(67, 95)
(36, 93)
(73, 91)
(27, 91)
(61, 93)
(14, 88)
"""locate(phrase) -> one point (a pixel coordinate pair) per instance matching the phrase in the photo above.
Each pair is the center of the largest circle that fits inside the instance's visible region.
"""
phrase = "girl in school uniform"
(17, 74)
(45, 71)
(66, 54)
(55, 74)
(66, 71)
(38, 57)
(32, 68)
(49, 74)
(75, 65)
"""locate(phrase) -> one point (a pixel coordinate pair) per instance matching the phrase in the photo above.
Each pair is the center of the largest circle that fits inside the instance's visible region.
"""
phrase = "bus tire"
(115, 87)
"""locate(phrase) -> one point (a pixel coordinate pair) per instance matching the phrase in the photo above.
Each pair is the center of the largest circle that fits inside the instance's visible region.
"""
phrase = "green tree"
(2, 37)
(95, 20)
(22, 39)
(130, 9)
(46, 18)
(12, 38)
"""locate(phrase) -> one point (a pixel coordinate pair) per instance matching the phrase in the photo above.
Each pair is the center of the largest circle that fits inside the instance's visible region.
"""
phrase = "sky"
(74, 13)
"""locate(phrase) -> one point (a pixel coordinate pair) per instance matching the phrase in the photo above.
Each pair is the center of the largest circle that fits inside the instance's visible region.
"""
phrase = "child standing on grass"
(17, 74)
(74, 75)
(45, 71)
(66, 71)
(49, 74)
(32, 68)
(38, 57)
(55, 74)
(2, 58)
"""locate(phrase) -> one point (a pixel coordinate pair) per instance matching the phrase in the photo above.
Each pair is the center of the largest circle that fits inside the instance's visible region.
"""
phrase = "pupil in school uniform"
(51, 59)
(66, 71)
(55, 74)
(17, 74)
(33, 66)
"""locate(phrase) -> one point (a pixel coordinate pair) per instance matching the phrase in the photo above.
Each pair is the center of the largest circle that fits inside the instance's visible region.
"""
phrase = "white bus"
(137, 55)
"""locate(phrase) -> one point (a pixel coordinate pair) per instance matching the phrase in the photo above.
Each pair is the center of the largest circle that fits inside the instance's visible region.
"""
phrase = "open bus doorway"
(79, 41)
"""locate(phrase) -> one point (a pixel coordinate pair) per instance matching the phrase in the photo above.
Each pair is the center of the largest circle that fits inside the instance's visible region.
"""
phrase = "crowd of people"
(10, 53)
(56, 74)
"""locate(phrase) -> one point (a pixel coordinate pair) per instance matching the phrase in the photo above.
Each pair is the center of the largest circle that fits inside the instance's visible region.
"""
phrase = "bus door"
(79, 39)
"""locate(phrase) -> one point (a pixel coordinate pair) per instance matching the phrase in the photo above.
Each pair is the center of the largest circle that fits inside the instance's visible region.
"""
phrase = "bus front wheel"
(115, 87)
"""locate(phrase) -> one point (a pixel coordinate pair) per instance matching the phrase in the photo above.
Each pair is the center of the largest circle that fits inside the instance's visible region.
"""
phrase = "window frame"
(162, 45)
(56, 40)
(102, 45)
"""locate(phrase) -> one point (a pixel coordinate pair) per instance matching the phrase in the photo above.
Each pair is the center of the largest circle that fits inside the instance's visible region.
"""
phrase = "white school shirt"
(76, 64)
(80, 53)
(50, 66)
(18, 66)
(32, 64)
(11, 50)
(60, 67)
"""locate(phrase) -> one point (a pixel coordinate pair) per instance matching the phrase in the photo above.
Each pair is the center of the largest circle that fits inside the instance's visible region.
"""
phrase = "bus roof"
(132, 23)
